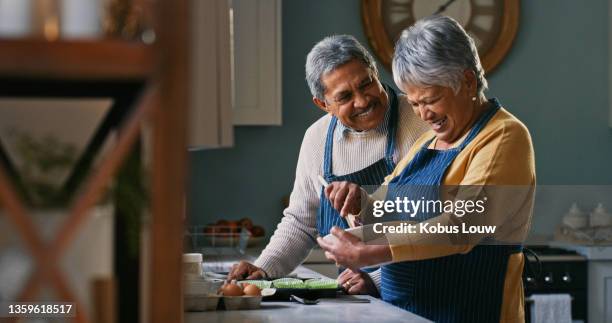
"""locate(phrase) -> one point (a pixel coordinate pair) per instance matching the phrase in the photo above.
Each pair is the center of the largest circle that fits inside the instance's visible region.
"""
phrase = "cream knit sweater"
(296, 234)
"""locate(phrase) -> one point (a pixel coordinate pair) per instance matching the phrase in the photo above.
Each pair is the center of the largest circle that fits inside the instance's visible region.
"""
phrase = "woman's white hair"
(436, 51)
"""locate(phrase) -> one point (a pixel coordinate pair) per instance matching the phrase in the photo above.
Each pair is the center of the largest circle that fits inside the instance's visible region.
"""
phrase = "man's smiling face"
(355, 96)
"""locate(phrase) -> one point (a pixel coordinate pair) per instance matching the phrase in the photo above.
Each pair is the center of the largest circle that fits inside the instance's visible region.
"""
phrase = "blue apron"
(375, 174)
(457, 288)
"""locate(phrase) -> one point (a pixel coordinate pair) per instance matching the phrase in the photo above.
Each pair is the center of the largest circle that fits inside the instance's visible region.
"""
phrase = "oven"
(559, 271)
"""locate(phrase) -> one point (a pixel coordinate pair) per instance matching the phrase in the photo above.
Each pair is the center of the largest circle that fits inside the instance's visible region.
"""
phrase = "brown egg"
(252, 290)
(231, 290)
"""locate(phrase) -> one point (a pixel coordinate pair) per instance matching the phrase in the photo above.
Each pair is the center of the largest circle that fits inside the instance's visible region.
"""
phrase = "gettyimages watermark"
(458, 215)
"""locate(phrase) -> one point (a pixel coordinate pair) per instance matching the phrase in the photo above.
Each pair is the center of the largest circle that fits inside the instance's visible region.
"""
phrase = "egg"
(252, 290)
(231, 290)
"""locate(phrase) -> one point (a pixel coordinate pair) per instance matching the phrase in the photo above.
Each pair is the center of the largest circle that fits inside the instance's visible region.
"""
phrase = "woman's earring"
(473, 98)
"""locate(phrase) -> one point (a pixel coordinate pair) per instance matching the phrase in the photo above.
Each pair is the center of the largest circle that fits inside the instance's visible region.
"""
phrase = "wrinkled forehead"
(350, 74)
(418, 92)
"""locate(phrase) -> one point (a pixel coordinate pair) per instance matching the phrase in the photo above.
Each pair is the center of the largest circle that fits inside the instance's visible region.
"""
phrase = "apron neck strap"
(391, 127)
(329, 143)
(482, 121)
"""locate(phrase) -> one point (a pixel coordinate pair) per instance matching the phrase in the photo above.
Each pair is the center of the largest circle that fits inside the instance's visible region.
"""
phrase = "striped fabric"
(295, 235)
(373, 175)
(458, 288)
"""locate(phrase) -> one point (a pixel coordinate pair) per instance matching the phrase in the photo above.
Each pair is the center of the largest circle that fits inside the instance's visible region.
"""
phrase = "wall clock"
(492, 23)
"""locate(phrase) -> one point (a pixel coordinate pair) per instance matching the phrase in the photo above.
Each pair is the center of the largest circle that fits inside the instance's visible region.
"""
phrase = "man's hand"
(245, 270)
(345, 197)
(357, 282)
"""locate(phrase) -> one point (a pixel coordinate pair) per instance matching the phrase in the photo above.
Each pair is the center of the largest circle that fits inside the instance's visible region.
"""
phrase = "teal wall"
(555, 79)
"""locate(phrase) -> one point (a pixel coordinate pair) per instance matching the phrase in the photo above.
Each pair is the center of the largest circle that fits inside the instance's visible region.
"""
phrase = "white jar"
(192, 265)
(600, 217)
(575, 218)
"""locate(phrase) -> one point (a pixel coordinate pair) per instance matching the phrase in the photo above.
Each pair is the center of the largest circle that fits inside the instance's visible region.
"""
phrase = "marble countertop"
(328, 310)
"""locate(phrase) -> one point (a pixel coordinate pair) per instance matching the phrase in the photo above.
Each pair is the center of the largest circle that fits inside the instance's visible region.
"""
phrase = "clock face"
(491, 23)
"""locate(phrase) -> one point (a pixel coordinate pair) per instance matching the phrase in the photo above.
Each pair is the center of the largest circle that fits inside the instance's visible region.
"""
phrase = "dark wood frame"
(164, 68)
(371, 15)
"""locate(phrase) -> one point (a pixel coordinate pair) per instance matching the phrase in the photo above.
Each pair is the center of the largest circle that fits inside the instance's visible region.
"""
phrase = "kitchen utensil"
(304, 300)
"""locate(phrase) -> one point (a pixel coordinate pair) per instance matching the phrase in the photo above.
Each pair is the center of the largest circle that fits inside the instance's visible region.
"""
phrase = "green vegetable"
(288, 283)
(261, 284)
(321, 283)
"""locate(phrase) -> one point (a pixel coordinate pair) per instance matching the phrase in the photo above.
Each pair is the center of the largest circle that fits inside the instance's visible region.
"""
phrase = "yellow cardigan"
(501, 154)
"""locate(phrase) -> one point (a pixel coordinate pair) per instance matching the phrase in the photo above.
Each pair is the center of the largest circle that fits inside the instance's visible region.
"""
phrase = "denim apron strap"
(457, 288)
(327, 216)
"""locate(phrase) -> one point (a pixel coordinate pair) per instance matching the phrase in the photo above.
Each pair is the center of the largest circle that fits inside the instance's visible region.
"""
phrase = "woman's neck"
(481, 105)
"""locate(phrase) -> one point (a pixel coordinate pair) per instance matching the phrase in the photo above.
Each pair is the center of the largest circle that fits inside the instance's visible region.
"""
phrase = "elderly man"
(366, 130)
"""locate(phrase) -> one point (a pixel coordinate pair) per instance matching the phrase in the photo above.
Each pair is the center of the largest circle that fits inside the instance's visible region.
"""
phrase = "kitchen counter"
(328, 310)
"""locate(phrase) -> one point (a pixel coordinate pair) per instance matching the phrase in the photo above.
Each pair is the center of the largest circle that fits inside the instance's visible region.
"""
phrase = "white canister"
(575, 218)
(600, 217)
(15, 18)
(192, 265)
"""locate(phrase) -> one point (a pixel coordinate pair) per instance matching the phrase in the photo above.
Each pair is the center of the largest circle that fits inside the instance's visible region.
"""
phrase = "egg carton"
(232, 303)
(201, 303)
(213, 302)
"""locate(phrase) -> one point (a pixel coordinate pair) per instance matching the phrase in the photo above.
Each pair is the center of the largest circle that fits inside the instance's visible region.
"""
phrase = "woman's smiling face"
(448, 114)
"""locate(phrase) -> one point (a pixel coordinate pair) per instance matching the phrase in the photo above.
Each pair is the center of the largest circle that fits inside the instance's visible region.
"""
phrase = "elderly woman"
(474, 144)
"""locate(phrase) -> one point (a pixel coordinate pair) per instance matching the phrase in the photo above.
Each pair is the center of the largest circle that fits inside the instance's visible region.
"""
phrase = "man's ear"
(320, 103)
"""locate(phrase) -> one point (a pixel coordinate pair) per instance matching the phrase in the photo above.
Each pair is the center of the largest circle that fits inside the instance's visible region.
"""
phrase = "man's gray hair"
(329, 54)
(436, 51)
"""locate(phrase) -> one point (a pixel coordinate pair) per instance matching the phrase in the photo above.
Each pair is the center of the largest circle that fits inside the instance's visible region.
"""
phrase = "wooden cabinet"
(257, 62)
(210, 118)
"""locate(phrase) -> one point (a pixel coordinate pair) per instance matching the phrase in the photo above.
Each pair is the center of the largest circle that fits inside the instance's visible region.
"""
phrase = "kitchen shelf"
(105, 59)
(148, 83)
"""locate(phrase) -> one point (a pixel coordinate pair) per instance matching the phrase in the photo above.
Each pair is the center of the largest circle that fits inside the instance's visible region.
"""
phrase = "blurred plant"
(44, 162)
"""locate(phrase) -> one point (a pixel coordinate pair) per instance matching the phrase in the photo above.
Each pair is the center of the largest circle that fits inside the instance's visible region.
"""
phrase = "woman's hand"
(348, 251)
(345, 197)
(357, 283)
